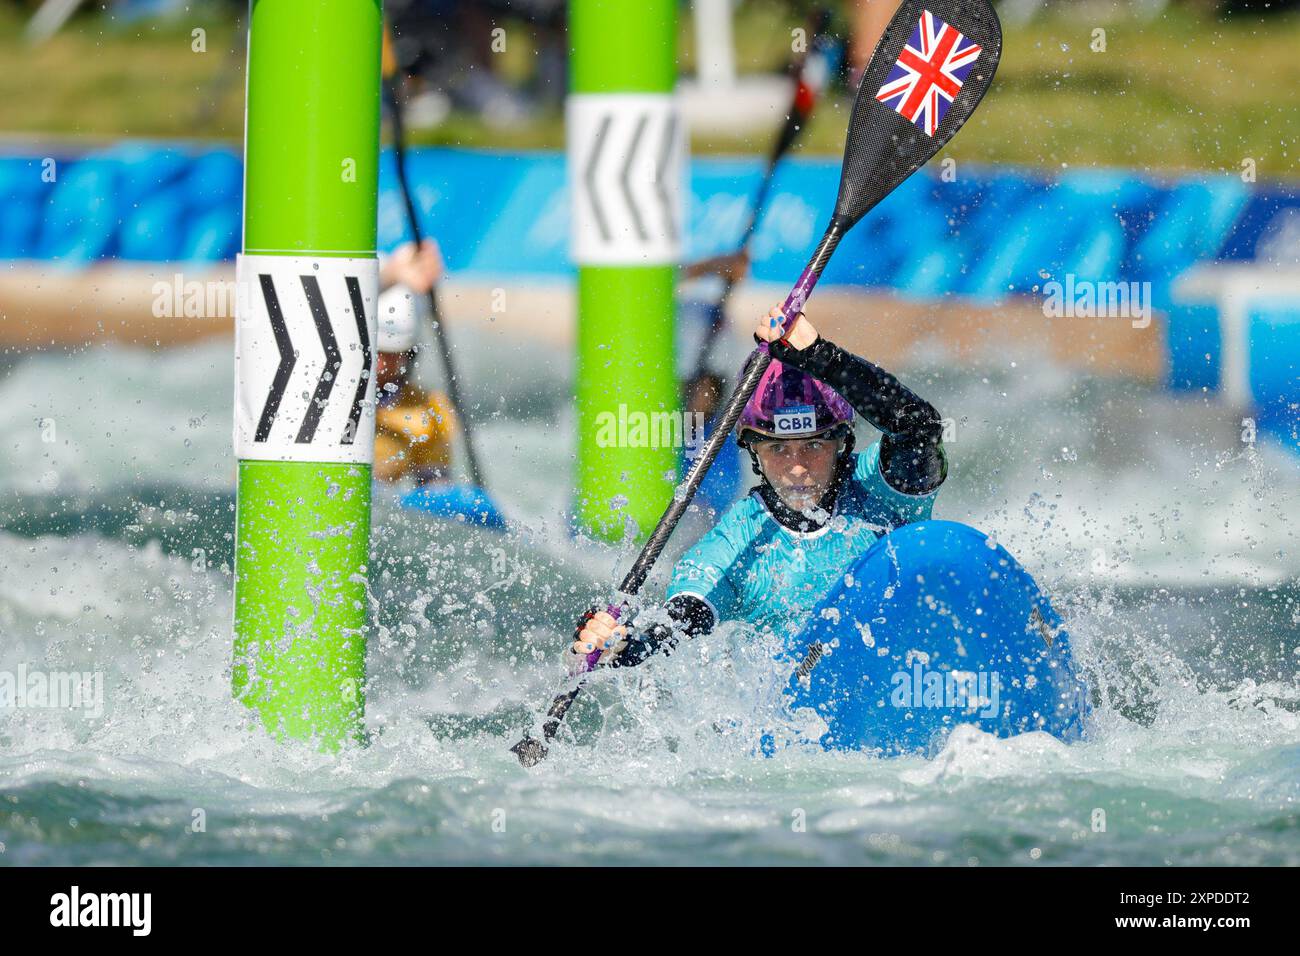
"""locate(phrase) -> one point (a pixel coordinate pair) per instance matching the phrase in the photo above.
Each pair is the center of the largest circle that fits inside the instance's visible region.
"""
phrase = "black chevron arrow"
(359, 312)
(589, 177)
(625, 178)
(324, 384)
(284, 370)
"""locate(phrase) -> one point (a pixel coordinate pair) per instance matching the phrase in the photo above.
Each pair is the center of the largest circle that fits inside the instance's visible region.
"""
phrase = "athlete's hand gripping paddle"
(589, 661)
(932, 66)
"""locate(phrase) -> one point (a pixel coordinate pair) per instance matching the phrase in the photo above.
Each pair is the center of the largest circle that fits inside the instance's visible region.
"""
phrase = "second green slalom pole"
(626, 152)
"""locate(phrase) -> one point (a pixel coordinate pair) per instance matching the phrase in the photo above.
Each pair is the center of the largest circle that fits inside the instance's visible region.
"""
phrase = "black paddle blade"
(921, 84)
(530, 751)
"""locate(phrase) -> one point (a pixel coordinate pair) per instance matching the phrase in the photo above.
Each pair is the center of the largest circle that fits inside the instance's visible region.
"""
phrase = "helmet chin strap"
(798, 520)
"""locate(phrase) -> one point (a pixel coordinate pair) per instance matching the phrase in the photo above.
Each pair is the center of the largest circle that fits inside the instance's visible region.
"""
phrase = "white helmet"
(401, 311)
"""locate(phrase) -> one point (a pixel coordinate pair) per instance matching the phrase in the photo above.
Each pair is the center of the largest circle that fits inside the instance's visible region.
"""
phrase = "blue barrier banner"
(1273, 328)
(1267, 230)
(988, 233)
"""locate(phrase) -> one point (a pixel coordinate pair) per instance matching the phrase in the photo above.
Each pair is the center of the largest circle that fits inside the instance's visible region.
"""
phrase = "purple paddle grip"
(798, 296)
(795, 301)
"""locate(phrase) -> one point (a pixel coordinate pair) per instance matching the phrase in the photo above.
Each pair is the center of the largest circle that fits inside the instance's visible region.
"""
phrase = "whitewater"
(1166, 540)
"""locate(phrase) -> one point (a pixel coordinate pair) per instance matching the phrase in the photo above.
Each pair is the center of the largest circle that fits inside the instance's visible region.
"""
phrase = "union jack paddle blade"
(929, 72)
(932, 66)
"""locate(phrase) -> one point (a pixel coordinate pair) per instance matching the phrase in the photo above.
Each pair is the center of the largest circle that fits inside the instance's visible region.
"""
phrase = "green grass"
(98, 80)
(1184, 93)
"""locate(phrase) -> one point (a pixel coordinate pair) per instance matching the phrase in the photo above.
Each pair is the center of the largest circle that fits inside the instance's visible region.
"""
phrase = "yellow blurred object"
(414, 437)
(388, 61)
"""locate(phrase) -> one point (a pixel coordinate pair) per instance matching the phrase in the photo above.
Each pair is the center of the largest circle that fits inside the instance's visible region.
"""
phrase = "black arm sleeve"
(690, 616)
(912, 459)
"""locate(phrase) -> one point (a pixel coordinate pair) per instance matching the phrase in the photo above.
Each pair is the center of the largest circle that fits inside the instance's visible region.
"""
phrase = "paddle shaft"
(718, 309)
(439, 333)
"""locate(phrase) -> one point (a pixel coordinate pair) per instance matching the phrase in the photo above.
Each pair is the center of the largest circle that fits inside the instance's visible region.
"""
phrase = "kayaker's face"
(799, 469)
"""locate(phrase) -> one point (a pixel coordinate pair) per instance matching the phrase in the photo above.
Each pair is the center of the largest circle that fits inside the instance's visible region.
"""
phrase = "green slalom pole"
(304, 391)
(626, 150)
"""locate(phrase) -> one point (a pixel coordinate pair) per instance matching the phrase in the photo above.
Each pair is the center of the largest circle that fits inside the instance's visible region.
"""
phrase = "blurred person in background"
(414, 429)
(869, 19)
(451, 52)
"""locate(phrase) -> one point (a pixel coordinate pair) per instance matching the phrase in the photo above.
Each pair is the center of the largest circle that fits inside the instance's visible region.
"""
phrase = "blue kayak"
(934, 626)
(465, 503)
